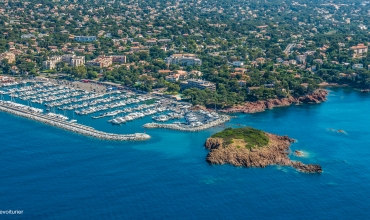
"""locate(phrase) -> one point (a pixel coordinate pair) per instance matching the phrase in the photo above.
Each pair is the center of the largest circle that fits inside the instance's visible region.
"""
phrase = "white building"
(49, 64)
(301, 58)
(362, 27)
(52, 62)
(358, 66)
(183, 60)
(77, 61)
(238, 63)
(85, 38)
(70, 59)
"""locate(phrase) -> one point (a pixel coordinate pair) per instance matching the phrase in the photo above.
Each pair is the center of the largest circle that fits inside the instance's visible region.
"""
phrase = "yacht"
(161, 118)
(118, 121)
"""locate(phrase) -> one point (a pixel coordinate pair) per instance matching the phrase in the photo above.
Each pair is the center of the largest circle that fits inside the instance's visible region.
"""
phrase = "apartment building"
(101, 62)
(70, 59)
(178, 75)
(183, 60)
(197, 83)
(85, 38)
(77, 61)
(49, 64)
(52, 62)
(118, 59)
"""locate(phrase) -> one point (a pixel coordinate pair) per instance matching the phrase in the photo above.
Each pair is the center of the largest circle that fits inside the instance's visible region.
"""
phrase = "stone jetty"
(221, 120)
(67, 125)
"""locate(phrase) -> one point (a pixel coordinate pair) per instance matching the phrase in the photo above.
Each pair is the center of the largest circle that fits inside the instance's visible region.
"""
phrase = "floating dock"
(12, 108)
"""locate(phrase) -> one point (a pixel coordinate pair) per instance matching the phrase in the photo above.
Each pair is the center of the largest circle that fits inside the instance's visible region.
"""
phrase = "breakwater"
(15, 109)
(221, 120)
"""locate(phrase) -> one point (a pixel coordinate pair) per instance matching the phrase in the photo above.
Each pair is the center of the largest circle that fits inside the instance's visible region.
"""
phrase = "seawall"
(69, 126)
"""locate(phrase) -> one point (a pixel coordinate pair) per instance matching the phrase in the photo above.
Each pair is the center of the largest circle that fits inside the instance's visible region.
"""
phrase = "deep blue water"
(54, 174)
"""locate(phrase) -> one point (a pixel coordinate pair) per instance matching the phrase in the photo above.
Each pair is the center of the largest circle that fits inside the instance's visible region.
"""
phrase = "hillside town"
(220, 53)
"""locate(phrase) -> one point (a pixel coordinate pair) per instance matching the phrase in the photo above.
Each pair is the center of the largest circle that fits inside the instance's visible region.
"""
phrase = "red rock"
(275, 153)
(260, 106)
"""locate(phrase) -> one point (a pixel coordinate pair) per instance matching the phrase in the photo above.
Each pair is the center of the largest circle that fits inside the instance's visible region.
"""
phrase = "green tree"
(173, 88)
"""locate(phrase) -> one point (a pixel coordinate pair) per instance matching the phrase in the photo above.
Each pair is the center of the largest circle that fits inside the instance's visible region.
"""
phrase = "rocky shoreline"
(317, 96)
(275, 153)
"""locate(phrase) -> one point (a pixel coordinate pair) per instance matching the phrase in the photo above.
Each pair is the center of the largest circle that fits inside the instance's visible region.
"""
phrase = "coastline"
(326, 84)
(221, 120)
(316, 97)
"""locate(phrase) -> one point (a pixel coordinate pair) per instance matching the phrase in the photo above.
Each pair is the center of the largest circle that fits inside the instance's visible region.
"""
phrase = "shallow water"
(54, 174)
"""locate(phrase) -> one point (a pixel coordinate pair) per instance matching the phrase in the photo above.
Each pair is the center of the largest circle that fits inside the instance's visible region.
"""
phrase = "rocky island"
(250, 147)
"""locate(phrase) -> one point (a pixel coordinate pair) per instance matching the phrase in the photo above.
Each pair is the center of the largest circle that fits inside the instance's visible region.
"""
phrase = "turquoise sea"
(54, 174)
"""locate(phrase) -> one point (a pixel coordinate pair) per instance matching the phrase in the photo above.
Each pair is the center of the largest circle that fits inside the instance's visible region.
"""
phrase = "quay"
(221, 120)
(12, 108)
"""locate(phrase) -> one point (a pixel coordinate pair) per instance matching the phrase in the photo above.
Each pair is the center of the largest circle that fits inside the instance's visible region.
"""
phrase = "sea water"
(50, 173)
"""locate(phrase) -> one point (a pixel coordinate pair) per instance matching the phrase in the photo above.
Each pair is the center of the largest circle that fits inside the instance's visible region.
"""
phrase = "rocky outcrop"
(213, 143)
(275, 153)
(309, 168)
(259, 106)
(298, 153)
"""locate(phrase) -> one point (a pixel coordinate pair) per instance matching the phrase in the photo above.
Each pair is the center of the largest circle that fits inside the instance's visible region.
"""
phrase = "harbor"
(54, 120)
(87, 109)
(180, 127)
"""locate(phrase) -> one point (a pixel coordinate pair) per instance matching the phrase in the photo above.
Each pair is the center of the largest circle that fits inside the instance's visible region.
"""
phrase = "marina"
(181, 127)
(55, 120)
(66, 105)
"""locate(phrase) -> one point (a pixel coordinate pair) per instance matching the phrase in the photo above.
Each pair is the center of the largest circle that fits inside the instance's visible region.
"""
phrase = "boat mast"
(12, 98)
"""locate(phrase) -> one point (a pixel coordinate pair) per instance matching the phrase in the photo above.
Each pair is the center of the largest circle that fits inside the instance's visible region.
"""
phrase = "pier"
(27, 112)
(221, 120)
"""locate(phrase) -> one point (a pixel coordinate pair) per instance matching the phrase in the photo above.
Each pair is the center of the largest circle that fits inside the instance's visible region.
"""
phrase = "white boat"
(118, 121)
(161, 118)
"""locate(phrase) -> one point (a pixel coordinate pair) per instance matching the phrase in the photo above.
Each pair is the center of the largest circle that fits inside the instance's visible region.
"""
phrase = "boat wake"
(337, 130)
